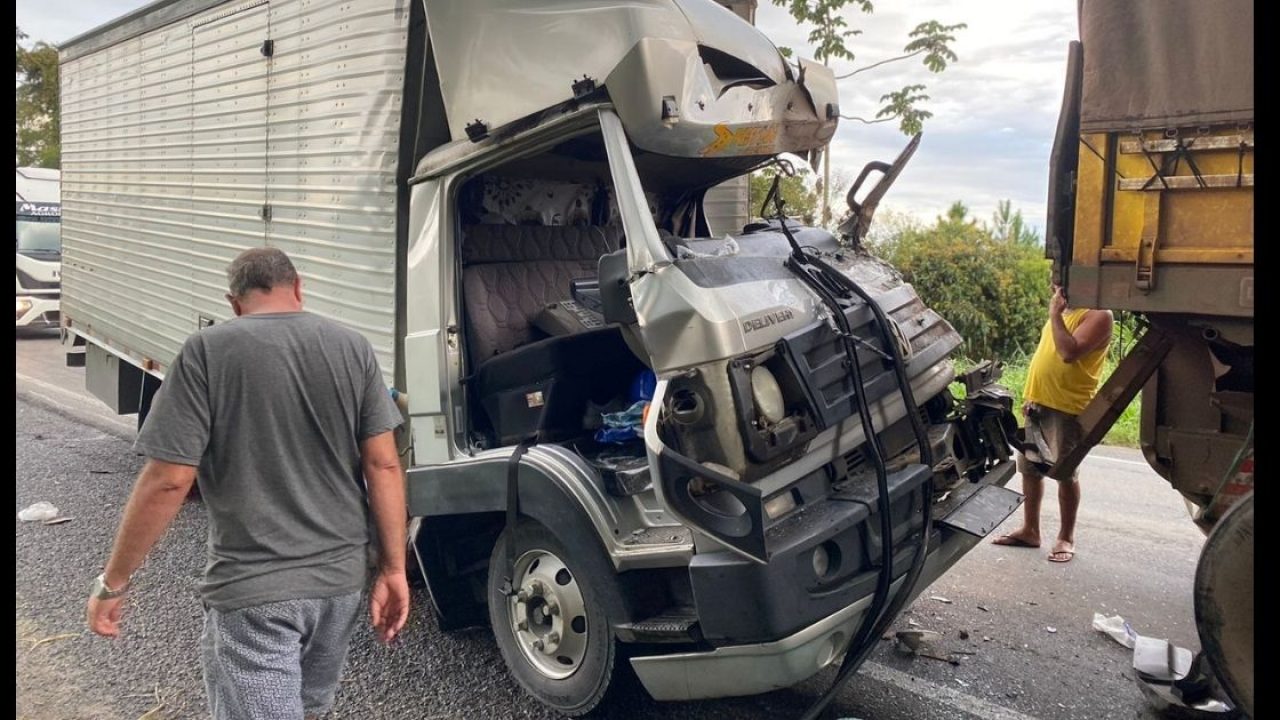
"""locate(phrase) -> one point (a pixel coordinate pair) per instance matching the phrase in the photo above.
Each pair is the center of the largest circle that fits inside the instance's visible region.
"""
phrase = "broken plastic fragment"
(1116, 627)
(1159, 660)
(39, 512)
(913, 640)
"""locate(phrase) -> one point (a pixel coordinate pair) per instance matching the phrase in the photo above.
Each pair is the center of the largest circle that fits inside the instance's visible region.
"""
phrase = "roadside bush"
(993, 287)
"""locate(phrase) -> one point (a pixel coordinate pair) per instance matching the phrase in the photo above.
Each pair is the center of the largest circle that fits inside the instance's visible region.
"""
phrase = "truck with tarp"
(1152, 213)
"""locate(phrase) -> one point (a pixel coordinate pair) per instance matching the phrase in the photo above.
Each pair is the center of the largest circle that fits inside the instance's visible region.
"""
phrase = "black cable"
(797, 263)
(878, 615)
(879, 622)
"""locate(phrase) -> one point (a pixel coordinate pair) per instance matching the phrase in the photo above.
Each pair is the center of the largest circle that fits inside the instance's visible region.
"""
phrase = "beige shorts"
(1054, 433)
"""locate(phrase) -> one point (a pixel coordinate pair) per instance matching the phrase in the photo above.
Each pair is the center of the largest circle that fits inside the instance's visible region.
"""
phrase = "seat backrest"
(511, 272)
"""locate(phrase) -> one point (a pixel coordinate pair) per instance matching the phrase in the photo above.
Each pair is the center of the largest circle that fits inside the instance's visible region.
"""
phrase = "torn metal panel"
(689, 78)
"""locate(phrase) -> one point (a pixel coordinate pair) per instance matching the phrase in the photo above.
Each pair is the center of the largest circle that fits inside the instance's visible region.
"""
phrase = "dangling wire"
(774, 195)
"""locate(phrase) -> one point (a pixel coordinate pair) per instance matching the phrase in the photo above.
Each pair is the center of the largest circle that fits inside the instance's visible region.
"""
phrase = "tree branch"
(870, 122)
(882, 62)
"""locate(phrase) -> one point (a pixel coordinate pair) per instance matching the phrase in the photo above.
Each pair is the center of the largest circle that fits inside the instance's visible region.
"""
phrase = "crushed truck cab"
(509, 202)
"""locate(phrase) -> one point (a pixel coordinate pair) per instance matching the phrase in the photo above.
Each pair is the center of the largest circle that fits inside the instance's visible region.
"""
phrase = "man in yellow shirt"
(1061, 380)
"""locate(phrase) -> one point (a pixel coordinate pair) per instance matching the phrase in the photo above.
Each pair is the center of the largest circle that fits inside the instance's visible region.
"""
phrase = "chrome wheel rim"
(548, 614)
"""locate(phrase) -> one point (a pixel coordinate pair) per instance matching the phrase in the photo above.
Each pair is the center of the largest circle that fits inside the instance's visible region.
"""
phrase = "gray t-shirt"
(272, 409)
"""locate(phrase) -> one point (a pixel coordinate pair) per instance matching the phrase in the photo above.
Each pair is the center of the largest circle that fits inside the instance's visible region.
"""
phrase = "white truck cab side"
(39, 247)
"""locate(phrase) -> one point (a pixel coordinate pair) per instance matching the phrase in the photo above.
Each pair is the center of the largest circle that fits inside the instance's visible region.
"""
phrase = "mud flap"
(983, 511)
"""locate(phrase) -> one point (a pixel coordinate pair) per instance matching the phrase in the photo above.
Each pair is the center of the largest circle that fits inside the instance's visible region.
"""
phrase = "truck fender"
(464, 502)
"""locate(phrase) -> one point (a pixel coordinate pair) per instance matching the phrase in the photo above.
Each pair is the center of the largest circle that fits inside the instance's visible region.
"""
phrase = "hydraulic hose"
(800, 264)
(875, 452)
(853, 660)
(821, 277)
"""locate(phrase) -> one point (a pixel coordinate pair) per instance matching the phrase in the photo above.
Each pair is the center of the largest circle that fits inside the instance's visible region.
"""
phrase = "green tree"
(1008, 225)
(994, 291)
(39, 127)
(830, 33)
(829, 36)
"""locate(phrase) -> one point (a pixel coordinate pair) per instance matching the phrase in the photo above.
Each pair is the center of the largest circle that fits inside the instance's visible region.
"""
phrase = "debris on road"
(983, 609)
(940, 599)
(54, 638)
(934, 656)
(1052, 629)
(1116, 627)
(1172, 679)
(964, 634)
(914, 640)
(38, 512)
(1159, 660)
(57, 520)
(1164, 699)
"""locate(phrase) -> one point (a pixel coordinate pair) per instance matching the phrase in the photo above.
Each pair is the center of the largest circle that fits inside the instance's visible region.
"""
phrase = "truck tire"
(555, 636)
(1224, 602)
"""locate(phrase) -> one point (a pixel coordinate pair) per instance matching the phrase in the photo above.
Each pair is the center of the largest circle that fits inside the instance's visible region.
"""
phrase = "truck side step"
(673, 625)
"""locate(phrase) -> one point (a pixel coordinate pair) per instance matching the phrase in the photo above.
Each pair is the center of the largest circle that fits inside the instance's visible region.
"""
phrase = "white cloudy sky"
(993, 112)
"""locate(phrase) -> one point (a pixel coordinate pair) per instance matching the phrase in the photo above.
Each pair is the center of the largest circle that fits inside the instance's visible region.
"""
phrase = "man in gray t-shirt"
(284, 418)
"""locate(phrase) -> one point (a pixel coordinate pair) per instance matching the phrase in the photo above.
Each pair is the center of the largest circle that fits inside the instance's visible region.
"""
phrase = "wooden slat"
(1185, 182)
(1206, 142)
(1222, 255)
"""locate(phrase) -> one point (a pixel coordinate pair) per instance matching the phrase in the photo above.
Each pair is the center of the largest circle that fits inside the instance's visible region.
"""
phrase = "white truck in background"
(39, 244)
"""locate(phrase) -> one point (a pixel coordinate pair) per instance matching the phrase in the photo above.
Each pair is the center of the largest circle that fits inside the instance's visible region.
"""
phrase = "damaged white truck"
(507, 200)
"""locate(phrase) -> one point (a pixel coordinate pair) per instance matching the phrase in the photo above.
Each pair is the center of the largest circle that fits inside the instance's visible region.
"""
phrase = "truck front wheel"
(554, 632)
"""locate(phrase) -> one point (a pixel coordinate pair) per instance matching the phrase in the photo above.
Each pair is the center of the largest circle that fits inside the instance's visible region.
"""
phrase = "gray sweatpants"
(278, 661)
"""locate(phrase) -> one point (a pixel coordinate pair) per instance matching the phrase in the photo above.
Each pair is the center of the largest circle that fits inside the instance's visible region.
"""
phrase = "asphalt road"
(1030, 651)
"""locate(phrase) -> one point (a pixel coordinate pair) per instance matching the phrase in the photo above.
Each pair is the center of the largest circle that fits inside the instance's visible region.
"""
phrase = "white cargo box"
(193, 129)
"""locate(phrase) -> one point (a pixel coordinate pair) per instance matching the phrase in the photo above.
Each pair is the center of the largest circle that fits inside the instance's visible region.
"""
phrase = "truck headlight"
(821, 561)
(23, 306)
(826, 560)
(767, 395)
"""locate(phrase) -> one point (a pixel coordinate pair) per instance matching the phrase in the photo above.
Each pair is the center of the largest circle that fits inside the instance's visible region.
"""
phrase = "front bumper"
(37, 310)
(753, 668)
(741, 601)
(756, 668)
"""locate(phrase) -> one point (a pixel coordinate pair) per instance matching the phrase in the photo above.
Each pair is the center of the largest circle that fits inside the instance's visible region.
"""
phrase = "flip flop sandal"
(1069, 553)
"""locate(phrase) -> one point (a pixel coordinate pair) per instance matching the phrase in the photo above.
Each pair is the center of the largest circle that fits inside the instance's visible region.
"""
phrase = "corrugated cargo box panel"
(193, 141)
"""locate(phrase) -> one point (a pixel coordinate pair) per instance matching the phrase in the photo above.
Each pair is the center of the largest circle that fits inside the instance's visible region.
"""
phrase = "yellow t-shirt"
(1063, 386)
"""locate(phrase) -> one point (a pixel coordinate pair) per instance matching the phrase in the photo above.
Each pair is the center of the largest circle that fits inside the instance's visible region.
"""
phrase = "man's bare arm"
(389, 597)
(157, 497)
(1093, 333)
(386, 497)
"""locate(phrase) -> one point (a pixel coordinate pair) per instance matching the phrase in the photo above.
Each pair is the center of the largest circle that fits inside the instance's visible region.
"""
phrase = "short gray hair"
(262, 268)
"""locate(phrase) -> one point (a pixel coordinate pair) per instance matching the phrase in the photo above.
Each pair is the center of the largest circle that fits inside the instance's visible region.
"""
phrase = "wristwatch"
(102, 592)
